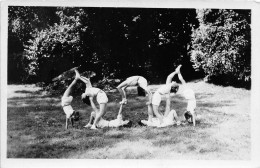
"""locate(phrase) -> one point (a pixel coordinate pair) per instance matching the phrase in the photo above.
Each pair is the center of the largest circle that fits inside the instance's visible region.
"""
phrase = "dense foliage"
(222, 45)
(115, 43)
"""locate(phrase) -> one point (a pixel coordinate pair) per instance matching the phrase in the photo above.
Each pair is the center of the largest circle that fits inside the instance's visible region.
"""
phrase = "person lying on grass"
(169, 87)
(100, 95)
(168, 120)
(104, 123)
(134, 81)
(66, 100)
(189, 95)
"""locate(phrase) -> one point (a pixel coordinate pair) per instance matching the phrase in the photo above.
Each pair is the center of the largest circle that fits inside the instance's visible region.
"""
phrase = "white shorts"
(102, 97)
(191, 105)
(142, 82)
(157, 98)
(68, 111)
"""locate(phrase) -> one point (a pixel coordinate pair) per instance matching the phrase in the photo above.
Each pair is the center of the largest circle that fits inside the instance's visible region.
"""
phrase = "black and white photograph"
(128, 82)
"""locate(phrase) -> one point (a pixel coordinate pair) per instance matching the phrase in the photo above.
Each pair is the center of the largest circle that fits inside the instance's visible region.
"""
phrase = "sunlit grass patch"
(36, 127)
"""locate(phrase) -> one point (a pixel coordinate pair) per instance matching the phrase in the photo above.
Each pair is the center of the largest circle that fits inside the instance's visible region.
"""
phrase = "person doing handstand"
(66, 100)
(189, 95)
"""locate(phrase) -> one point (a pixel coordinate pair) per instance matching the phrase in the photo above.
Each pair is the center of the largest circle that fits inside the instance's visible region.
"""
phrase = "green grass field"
(36, 127)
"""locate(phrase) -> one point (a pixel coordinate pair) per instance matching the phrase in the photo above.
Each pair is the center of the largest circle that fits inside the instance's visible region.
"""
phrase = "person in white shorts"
(189, 95)
(168, 120)
(169, 87)
(66, 100)
(134, 81)
(100, 95)
(104, 123)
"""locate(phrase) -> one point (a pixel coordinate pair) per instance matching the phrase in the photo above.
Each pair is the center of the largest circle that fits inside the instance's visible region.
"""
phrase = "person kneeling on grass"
(66, 100)
(134, 81)
(167, 89)
(104, 123)
(189, 95)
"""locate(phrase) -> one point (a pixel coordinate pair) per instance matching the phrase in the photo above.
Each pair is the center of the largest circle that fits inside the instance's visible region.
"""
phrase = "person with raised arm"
(169, 87)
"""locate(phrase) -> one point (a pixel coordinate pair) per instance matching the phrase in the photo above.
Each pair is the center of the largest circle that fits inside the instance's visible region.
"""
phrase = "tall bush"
(221, 45)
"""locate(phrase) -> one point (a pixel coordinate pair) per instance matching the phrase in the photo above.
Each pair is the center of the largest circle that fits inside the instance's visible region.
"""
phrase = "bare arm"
(120, 109)
(194, 120)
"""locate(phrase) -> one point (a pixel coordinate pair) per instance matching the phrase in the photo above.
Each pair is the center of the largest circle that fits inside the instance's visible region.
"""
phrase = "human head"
(174, 88)
(75, 115)
(85, 98)
(188, 116)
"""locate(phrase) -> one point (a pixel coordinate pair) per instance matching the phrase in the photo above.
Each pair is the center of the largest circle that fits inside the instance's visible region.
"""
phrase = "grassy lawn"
(36, 127)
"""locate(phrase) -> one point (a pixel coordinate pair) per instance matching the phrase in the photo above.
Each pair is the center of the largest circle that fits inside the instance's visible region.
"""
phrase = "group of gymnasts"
(155, 118)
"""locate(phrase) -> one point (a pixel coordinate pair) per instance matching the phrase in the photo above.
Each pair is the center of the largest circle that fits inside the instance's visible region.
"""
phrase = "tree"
(22, 23)
(221, 45)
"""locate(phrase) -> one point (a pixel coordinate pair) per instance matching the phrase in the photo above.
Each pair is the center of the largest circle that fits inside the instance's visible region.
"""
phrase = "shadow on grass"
(36, 124)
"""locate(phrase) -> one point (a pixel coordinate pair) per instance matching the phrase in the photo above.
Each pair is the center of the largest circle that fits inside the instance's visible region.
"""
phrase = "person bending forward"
(134, 81)
(100, 95)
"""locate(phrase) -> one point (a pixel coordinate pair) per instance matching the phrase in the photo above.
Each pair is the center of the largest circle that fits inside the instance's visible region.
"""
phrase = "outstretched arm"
(120, 109)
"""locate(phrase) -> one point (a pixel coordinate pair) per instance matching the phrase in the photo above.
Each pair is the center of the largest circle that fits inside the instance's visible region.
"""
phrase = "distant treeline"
(43, 42)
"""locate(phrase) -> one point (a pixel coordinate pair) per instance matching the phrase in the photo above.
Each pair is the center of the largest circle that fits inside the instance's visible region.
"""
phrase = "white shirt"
(165, 89)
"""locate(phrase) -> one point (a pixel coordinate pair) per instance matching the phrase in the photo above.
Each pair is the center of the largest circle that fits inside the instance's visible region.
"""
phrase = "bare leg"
(156, 112)
(99, 115)
(69, 89)
(121, 88)
(149, 93)
(92, 117)
(150, 112)
(67, 94)
(179, 75)
(168, 105)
